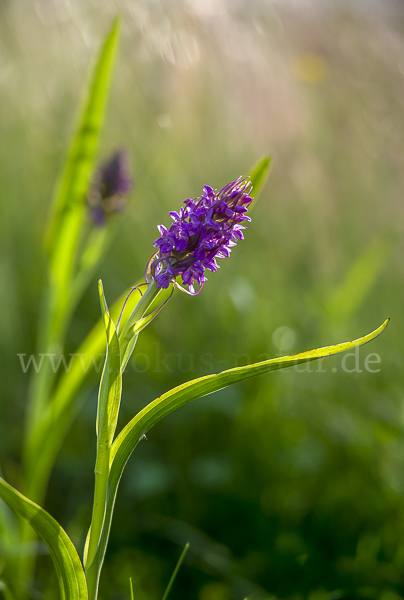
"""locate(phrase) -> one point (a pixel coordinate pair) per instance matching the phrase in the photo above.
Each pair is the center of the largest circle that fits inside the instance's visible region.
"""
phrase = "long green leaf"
(70, 572)
(96, 244)
(130, 436)
(65, 226)
(170, 401)
(69, 201)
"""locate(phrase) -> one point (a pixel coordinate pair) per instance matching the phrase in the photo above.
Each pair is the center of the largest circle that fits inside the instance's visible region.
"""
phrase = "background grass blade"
(70, 197)
(351, 294)
(130, 436)
(65, 225)
(70, 572)
(177, 568)
(98, 240)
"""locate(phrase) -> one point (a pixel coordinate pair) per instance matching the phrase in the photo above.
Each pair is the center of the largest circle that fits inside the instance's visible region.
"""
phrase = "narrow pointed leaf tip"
(205, 229)
(258, 176)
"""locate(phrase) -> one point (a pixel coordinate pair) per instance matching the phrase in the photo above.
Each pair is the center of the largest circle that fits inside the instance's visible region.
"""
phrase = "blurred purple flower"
(111, 183)
(204, 229)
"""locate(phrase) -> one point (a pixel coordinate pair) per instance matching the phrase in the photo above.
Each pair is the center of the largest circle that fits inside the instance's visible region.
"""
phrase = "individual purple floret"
(204, 229)
(111, 183)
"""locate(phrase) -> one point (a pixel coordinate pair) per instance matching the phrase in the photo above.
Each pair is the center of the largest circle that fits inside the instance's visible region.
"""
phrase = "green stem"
(93, 577)
(100, 495)
(93, 560)
(91, 564)
(94, 554)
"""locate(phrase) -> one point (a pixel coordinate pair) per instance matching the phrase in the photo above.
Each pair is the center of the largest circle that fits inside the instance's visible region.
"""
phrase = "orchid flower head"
(204, 229)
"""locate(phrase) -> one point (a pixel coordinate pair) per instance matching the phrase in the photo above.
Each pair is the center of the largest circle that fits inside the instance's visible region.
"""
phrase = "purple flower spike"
(111, 183)
(205, 229)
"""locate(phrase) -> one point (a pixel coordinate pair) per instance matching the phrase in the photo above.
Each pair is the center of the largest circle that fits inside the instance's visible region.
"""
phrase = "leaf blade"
(72, 580)
(202, 386)
(65, 223)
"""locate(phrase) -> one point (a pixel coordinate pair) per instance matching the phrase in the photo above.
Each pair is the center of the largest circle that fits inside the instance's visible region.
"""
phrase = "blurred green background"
(291, 484)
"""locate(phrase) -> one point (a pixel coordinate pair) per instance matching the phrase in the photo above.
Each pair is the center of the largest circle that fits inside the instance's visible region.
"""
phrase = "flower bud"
(111, 183)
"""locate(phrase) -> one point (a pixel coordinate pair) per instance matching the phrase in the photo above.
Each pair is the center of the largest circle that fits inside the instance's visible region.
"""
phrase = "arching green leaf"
(72, 580)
